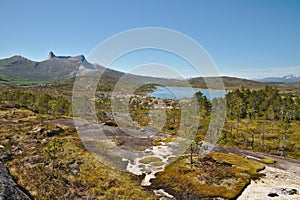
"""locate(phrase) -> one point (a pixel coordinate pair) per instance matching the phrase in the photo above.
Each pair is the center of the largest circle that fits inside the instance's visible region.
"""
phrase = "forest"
(49, 159)
(265, 120)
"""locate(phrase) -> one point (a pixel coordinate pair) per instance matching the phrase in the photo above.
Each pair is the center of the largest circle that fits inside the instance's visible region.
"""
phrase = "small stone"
(293, 191)
(74, 172)
(288, 191)
(273, 195)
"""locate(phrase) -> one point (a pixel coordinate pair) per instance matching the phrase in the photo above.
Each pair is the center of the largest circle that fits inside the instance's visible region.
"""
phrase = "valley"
(156, 147)
(150, 100)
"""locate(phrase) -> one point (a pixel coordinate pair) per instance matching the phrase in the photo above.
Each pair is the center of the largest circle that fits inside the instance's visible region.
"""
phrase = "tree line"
(263, 120)
(42, 104)
(267, 104)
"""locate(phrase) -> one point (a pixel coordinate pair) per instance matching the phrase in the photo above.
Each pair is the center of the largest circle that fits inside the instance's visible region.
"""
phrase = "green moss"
(154, 161)
(158, 142)
(267, 161)
(217, 175)
(168, 139)
(239, 163)
(141, 148)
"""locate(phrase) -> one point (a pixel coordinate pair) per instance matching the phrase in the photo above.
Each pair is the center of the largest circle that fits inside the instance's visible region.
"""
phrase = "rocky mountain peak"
(80, 57)
(51, 55)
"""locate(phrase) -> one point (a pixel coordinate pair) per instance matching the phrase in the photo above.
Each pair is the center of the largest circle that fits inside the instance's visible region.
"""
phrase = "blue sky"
(251, 38)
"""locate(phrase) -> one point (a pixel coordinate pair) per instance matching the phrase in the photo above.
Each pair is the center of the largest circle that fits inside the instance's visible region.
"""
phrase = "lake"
(183, 92)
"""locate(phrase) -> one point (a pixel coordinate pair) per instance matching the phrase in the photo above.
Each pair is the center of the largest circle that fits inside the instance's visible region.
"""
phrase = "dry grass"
(77, 173)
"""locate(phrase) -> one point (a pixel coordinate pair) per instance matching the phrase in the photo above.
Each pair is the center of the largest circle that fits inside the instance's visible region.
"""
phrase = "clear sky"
(245, 38)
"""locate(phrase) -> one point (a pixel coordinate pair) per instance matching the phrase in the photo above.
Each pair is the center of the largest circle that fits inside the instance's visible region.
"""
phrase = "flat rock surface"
(278, 183)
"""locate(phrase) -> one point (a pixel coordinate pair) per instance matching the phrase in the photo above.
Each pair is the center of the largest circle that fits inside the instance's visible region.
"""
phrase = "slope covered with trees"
(264, 120)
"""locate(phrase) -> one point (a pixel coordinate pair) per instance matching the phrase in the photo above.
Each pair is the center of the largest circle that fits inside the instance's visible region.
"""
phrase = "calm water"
(182, 92)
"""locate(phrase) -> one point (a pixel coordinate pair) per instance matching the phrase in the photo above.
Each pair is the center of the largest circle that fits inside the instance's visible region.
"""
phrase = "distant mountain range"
(18, 68)
(22, 71)
(285, 79)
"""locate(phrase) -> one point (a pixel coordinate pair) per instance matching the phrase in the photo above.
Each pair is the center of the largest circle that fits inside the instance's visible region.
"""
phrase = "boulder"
(9, 190)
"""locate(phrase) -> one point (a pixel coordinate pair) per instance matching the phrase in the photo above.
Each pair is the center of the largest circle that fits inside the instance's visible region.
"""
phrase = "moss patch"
(239, 163)
(141, 148)
(154, 161)
(267, 161)
(158, 142)
(216, 175)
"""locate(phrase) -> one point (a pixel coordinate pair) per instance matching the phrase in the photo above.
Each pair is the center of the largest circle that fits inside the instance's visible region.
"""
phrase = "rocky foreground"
(8, 187)
(277, 184)
(281, 180)
(76, 173)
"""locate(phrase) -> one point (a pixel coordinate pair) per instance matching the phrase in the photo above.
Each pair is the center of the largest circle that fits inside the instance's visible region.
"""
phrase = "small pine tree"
(52, 149)
(192, 142)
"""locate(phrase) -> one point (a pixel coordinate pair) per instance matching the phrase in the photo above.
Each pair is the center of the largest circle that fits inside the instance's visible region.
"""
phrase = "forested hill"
(230, 83)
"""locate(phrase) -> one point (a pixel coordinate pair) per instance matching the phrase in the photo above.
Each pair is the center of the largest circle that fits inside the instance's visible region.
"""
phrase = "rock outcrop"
(9, 190)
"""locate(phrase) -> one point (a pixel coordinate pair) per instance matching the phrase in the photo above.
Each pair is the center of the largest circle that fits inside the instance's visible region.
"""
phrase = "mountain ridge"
(21, 70)
(52, 68)
(284, 79)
